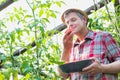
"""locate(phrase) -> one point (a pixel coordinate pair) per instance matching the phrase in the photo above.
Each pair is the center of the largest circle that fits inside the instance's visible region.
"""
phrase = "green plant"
(106, 19)
(40, 62)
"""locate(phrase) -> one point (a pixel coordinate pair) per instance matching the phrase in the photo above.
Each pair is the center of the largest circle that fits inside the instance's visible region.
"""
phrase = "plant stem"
(36, 39)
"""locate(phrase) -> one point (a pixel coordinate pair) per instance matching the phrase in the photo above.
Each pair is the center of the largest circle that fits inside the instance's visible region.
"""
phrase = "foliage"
(106, 19)
(40, 62)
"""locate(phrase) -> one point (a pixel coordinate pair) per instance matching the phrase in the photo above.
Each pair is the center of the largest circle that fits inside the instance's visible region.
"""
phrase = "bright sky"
(82, 4)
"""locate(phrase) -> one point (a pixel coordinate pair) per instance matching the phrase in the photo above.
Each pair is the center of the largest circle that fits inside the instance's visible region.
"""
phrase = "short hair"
(79, 12)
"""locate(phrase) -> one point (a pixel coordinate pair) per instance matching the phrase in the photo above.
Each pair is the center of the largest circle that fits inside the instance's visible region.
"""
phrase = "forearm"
(111, 68)
(65, 55)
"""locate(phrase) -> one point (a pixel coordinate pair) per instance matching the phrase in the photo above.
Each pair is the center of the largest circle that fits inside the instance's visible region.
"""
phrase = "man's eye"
(73, 20)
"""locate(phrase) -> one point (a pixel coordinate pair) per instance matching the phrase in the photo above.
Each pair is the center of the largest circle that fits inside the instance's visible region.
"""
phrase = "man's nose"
(70, 25)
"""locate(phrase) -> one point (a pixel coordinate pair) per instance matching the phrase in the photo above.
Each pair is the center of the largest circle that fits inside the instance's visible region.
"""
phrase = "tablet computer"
(75, 66)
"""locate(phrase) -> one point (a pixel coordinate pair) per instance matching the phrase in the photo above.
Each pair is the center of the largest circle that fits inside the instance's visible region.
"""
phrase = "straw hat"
(72, 10)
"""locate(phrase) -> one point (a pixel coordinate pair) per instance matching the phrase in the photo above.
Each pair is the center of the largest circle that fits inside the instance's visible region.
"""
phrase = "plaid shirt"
(96, 44)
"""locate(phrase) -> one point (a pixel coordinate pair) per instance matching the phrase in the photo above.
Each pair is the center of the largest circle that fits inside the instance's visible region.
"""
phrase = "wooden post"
(5, 4)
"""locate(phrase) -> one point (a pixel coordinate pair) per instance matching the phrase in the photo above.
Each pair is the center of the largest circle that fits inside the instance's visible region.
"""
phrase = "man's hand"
(94, 68)
(64, 75)
(68, 40)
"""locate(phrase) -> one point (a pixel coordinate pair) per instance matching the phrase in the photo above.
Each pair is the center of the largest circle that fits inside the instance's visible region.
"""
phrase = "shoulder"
(102, 33)
(97, 34)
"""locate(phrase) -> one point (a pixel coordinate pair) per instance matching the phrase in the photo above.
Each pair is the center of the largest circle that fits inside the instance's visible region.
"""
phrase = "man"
(100, 46)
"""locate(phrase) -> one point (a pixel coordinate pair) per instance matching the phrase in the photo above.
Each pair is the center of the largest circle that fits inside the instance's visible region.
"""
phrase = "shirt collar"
(89, 36)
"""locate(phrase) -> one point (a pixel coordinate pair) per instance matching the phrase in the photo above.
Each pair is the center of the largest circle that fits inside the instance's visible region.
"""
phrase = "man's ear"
(84, 19)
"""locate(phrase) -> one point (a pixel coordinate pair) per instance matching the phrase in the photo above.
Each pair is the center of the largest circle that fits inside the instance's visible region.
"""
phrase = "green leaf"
(15, 9)
(42, 31)
(53, 15)
(12, 36)
(45, 20)
(2, 56)
(58, 3)
(17, 16)
(7, 75)
(25, 64)
(27, 16)
(27, 76)
(38, 78)
(47, 14)
(2, 36)
(62, 2)
(113, 1)
(11, 18)
(2, 77)
(48, 5)
(34, 7)
(41, 12)
(18, 30)
(15, 0)
(27, 70)
(27, 31)
(19, 33)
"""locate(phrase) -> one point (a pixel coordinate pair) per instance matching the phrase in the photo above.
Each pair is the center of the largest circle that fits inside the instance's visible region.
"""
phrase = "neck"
(81, 35)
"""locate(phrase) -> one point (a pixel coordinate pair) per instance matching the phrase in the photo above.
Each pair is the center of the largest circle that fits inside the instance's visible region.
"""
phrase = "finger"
(68, 30)
(96, 60)
(92, 66)
(87, 72)
(87, 68)
(92, 71)
(70, 36)
(67, 33)
(81, 72)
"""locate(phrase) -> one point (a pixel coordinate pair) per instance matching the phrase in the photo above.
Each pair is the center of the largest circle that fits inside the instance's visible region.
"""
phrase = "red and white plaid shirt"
(96, 44)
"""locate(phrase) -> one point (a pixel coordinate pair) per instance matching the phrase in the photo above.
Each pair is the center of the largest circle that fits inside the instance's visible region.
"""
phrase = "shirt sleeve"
(112, 48)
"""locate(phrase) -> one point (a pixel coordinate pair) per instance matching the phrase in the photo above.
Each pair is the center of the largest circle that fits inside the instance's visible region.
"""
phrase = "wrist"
(66, 55)
(105, 68)
(102, 68)
(66, 50)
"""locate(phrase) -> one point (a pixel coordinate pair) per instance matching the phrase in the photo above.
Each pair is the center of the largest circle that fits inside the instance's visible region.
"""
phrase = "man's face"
(75, 23)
